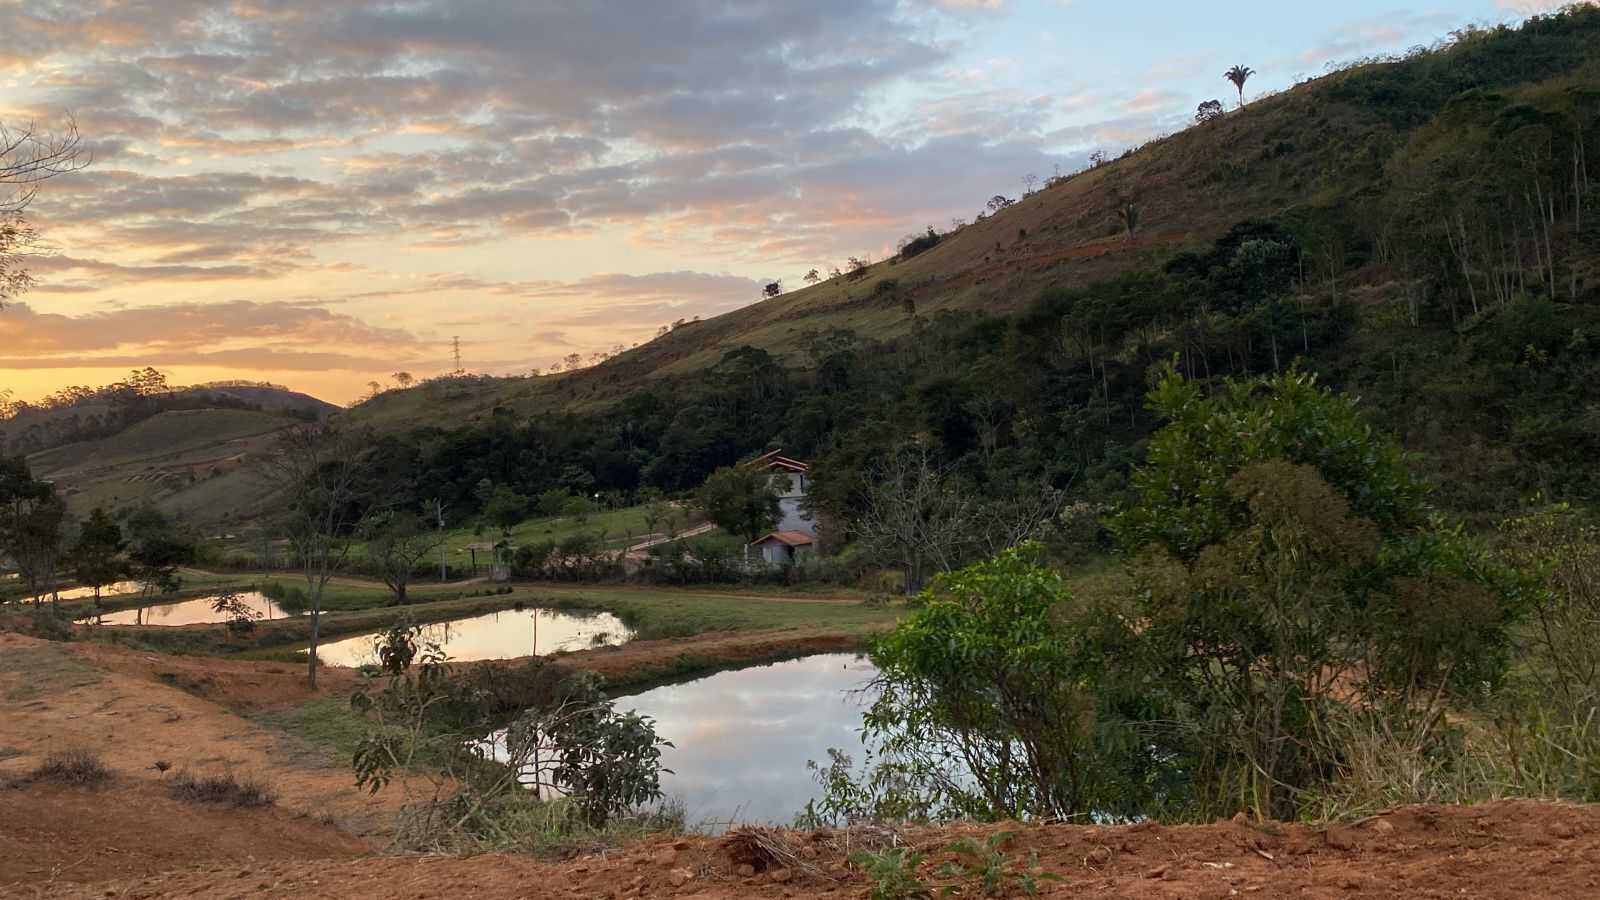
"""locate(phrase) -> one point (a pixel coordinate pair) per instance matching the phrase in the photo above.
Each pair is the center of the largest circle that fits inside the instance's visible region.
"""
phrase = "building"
(793, 479)
(795, 539)
(784, 548)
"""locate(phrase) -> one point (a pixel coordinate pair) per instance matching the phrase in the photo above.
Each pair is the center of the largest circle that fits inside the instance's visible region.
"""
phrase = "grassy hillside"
(194, 462)
(1311, 155)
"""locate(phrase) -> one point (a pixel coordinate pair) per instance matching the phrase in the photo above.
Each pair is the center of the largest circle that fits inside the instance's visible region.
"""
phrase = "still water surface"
(499, 635)
(188, 612)
(741, 739)
(109, 590)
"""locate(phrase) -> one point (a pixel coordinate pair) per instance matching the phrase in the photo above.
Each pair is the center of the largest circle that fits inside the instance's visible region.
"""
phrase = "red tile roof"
(776, 460)
(792, 538)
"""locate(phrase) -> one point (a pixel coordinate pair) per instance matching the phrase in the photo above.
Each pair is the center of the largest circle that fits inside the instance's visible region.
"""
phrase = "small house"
(793, 480)
(784, 548)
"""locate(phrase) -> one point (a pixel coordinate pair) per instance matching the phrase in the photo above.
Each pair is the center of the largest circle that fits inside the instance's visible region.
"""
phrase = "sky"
(321, 193)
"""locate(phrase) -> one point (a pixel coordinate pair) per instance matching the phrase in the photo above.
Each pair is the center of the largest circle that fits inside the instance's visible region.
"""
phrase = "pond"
(197, 611)
(499, 635)
(108, 590)
(741, 739)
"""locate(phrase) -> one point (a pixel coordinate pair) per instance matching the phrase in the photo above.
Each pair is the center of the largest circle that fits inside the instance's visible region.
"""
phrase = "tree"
(315, 470)
(29, 157)
(31, 519)
(812, 277)
(1208, 111)
(16, 238)
(741, 500)
(911, 515)
(1239, 75)
(157, 547)
(397, 543)
(998, 202)
(1028, 181)
(96, 556)
(994, 700)
(505, 509)
(404, 379)
(772, 289)
(1289, 577)
(1128, 214)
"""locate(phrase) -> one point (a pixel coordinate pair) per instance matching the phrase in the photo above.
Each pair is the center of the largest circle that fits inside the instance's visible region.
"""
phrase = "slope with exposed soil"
(1501, 851)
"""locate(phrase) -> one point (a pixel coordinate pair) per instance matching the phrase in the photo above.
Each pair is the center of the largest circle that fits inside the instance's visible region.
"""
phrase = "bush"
(920, 244)
(886, 287)
(224, 788)
(77, 767)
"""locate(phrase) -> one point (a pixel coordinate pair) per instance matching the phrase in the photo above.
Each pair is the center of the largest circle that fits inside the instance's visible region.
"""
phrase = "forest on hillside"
(1446, 272)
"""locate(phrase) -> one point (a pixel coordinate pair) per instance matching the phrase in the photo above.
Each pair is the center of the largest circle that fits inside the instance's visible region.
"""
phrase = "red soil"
(1513, 850)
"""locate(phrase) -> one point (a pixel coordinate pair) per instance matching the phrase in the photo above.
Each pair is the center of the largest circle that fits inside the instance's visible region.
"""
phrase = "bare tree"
(314, 469)
(1003, 522)
(29, 157)
(912, 515)
(434, 509)
(403, 379)
(1028, 181)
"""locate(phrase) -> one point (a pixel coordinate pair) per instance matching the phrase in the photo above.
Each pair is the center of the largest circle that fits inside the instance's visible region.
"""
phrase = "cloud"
(162, 332)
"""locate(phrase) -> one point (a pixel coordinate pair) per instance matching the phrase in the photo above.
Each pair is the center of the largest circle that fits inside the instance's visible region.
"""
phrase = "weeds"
(893, 873)
(225, 789)
(77, 767)
(986, 869)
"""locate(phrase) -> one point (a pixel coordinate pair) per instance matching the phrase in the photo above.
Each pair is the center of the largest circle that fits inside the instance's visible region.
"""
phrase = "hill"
(85, 413)
(1337, 160)
(194, 462)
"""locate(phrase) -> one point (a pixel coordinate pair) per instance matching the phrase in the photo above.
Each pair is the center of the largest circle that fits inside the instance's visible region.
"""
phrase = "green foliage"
(97, 556)
(1184, 502)
(504, 508)
(986, 870)
(157, 547)
(1285, 562)
(742, 500)
(1001, 668)
(892, 872)
(572, 743)
(241, 616)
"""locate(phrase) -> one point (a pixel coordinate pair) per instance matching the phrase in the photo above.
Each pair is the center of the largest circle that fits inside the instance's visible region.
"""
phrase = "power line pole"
(457, 342)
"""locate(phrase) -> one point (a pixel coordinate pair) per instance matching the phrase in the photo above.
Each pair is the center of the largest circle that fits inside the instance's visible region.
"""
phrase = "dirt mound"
(56, 696)
(1512, 850)
(53, 836)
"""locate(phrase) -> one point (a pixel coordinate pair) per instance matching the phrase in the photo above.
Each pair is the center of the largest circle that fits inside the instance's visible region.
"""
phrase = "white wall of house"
(792, 488)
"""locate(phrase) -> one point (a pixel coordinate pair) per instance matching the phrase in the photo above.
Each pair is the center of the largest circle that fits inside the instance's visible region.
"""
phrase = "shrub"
(223, 788)
(886, 287)
(920, 244)
(77, 766)
(893, 873)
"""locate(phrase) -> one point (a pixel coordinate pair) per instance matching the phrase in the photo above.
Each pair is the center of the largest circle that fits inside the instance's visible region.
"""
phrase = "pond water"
(109, 590)
(741, 739)
(197, 611)
(499, 635)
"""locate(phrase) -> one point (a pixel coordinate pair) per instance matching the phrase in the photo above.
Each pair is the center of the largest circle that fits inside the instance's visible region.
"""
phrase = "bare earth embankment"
(1515, 851)
(129, 838)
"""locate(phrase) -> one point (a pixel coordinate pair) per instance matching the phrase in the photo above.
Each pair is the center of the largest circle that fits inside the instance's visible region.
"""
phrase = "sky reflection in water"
(499, 635)
(742, 738)
(198, 611)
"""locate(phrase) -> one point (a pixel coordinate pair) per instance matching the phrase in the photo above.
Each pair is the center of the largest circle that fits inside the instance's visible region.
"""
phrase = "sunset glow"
(320, 194)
